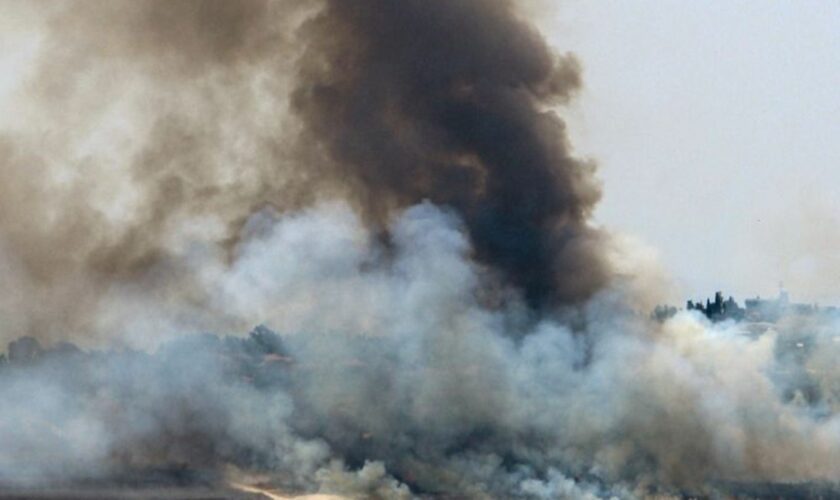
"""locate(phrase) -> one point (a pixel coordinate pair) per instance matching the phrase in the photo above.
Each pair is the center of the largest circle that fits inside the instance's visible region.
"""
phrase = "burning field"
(387, 189)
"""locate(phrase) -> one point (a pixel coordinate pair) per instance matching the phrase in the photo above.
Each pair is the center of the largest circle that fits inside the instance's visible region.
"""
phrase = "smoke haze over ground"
(386, 187)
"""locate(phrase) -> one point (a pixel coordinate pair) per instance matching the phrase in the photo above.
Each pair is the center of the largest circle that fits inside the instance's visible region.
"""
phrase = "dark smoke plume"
(146, 125)
(447, 102)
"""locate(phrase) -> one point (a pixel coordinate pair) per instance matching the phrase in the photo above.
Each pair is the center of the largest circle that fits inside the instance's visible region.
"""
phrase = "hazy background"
(716, 127)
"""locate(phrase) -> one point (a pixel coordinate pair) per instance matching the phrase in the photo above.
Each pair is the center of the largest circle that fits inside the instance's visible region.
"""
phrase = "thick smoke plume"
(445, 101)
(387, 188)
(146, 126)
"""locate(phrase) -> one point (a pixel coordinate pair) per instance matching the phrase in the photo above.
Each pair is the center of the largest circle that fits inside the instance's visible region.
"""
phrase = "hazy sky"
(717, 127)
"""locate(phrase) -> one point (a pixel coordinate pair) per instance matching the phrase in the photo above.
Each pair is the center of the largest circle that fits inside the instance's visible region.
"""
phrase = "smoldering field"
(388, 188)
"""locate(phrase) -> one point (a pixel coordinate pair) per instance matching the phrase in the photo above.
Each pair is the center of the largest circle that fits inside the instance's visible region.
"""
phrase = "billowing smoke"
(386, 187)
(412, 101)
(390, 379)
(140, 128)
(148, 125)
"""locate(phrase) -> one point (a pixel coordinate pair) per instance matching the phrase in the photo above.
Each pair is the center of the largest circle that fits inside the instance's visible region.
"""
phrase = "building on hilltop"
(755, 310)
(720, 309)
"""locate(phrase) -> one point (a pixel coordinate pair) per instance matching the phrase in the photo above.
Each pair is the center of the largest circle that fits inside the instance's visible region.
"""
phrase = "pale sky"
(717, 128)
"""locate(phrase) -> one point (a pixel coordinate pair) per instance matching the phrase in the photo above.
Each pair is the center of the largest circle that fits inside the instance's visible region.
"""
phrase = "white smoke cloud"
(398, 361)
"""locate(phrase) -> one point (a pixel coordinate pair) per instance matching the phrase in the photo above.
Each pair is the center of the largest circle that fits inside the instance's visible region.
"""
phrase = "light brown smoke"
(149, 124)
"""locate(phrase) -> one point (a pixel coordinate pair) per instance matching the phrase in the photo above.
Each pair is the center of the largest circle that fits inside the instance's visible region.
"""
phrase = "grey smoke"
(390, 379)
(385, 187)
